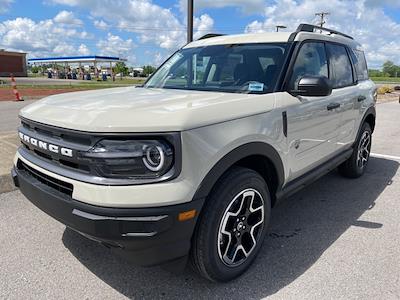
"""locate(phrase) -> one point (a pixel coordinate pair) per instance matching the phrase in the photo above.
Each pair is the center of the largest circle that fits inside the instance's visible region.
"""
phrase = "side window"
(311, 61)
(341, 72)
(360, 64)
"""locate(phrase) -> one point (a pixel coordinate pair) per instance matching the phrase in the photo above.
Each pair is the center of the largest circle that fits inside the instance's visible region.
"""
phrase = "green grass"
(386, 79)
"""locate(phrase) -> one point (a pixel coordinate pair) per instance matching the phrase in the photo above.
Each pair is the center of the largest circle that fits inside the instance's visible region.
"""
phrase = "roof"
(5, 52)
(72, 59)
(246, 38)
(271, 37)
(301, 36)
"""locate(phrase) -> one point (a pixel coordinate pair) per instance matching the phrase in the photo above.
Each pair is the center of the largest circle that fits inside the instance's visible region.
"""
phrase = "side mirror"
(313, 86)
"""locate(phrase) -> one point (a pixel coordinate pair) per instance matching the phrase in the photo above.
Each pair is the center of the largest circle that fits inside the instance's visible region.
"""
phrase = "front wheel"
(232, 226)
(355, 166)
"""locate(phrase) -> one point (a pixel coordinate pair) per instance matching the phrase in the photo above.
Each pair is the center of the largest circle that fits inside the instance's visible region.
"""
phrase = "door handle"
(333, 106)
(361, 98)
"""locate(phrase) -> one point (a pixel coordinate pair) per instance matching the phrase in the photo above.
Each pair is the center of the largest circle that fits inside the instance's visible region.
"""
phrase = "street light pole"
(280, 27)
(190, 21)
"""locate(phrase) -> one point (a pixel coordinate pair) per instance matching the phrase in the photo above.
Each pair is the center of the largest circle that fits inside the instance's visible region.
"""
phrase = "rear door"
(344, 92)
(312, 123)
(365, 89)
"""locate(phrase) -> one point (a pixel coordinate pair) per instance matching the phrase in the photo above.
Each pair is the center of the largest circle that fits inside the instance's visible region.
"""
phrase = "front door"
(312, 121)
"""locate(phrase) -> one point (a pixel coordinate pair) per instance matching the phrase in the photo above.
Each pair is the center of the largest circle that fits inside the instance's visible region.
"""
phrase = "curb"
(6, 184)
(8, 146)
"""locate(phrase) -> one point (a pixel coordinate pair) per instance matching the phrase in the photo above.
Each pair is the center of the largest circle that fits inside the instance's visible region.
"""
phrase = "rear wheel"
(232, 226)
(355, 166)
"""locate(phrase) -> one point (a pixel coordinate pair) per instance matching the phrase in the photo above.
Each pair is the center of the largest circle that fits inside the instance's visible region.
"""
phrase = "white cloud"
(116, 46)
(83, 49)
(370, 26)
(66, 2)
(67, 17)
(64, 49)
(202, 25)
(158, 59)
(100, 24)
(246, 6)
(153, 23)
(43, 38)
(383, 2)
(5, 5)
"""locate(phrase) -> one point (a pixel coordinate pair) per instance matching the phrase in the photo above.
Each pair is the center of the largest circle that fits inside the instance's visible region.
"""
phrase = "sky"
(148, 31)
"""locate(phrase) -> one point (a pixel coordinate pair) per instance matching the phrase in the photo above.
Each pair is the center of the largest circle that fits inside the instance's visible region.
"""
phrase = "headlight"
(155, 158)
(131, 159)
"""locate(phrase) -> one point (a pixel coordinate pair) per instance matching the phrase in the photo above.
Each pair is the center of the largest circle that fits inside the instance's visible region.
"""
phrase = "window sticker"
(256, 87)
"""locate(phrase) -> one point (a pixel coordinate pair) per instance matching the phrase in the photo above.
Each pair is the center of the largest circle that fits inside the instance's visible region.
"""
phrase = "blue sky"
(146, 31)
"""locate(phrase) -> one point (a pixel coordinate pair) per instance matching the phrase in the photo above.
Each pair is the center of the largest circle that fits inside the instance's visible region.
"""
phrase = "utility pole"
(322, 18)
(190, 21)
(280, 27)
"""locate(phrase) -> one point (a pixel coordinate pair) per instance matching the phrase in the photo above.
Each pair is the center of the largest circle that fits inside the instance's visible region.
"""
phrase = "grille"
(55, 184)
(61, 137)
(57, 133)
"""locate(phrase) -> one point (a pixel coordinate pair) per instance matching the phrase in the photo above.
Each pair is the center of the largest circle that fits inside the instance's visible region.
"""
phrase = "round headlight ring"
(148, 160)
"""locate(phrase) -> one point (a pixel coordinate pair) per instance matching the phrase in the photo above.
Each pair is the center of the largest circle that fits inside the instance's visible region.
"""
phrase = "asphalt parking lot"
(336, 239)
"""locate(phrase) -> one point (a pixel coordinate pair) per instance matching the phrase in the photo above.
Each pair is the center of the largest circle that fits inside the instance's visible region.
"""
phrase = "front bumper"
(145, 236)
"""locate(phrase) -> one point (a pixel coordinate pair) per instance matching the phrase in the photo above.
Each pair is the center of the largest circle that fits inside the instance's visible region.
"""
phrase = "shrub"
(385, 89)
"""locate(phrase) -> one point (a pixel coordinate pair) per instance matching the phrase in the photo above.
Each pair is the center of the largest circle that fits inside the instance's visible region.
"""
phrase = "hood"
(131, 109)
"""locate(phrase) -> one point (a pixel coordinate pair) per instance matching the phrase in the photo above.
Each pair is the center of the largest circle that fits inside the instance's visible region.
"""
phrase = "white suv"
(191, 163)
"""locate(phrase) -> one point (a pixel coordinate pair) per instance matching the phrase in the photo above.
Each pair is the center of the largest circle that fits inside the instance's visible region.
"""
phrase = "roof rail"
(312, 28)
(210, 35)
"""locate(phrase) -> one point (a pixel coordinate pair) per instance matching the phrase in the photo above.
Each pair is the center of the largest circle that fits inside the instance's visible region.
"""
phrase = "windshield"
(239, 68)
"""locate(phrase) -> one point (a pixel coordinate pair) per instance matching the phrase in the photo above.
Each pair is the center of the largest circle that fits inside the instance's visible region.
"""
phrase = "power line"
(136, 28)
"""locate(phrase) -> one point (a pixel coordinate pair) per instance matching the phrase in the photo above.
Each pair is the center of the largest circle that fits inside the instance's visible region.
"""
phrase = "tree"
(375, 73)
(148, 70)
(121, 68)
(391, 69)
(35, 69)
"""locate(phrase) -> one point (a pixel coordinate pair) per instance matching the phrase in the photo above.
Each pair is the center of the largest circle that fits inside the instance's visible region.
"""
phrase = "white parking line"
(385, 156)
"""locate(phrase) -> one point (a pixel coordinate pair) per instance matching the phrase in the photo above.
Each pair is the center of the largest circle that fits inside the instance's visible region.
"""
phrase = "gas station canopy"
(76, 59)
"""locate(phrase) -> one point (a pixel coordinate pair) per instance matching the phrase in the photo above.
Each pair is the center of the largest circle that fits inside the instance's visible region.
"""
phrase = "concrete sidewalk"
(9, 143)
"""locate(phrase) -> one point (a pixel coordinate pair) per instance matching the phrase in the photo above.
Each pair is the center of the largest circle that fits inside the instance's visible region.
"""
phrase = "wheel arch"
(369, 117)
(258, 156)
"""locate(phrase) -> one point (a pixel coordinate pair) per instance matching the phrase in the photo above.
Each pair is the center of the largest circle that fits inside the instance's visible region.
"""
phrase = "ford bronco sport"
(190, 164)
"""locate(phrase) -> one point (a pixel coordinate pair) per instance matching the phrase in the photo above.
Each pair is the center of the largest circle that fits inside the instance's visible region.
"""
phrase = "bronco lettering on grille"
(46, 146)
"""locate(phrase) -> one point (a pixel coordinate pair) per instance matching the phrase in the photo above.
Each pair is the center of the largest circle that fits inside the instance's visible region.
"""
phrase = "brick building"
(12, 62)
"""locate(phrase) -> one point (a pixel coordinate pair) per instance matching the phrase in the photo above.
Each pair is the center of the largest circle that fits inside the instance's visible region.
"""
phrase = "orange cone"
(15, 90)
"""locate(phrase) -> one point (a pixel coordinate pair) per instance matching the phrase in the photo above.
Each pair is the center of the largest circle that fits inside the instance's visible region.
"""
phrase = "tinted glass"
(360, 64)
(311, 61)
(251, 68)
(341, 72)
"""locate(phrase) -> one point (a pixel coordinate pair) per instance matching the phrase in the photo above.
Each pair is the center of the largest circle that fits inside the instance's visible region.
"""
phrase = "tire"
(214, 254)
(355, 166)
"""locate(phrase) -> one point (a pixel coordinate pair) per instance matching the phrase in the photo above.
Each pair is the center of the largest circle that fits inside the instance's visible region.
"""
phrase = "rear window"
(360, 64)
